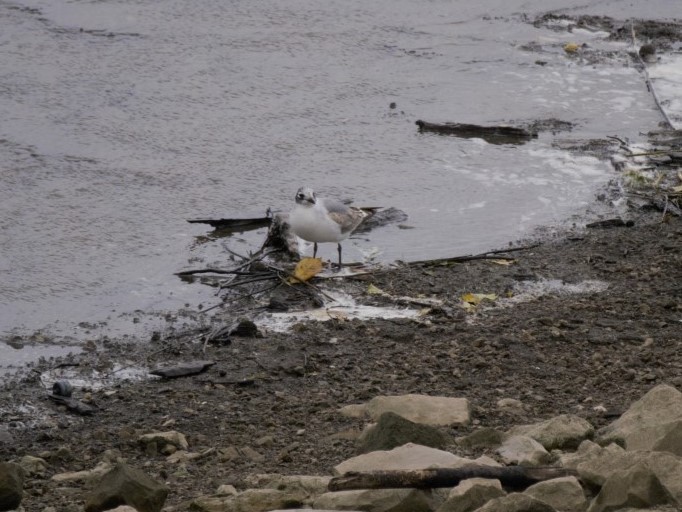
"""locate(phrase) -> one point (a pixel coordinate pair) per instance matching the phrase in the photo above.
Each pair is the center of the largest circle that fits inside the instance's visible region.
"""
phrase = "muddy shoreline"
(270, 403)
(584, 322)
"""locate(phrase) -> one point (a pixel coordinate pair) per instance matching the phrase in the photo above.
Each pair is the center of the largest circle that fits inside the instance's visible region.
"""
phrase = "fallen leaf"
(476, 298)
(306, 269)
(571, 47)
(374, 290)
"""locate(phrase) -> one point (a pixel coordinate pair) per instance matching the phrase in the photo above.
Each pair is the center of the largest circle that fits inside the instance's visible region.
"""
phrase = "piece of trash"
(182, 369)
(73, 405)
(62, 388)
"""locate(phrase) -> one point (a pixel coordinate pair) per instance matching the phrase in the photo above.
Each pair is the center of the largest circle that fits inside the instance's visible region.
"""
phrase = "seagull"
(319, 220)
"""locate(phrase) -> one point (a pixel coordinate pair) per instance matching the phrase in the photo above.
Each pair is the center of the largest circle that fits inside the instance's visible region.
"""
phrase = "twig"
(489, 255)
(647, 79)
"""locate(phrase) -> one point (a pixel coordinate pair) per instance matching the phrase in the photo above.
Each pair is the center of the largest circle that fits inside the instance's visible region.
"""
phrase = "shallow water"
(123, 119)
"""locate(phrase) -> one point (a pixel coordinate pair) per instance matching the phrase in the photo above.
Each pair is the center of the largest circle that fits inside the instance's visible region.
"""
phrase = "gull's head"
(305, 196)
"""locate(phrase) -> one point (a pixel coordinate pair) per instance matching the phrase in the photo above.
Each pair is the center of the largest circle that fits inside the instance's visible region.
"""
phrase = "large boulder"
(408, 456)
(596, 466)
(566, 431)
(654, 422)
(470, 494)
(637, 487)
(376, 500)
(565, 494)
(11, 485)
(124, 485)
(392, 430)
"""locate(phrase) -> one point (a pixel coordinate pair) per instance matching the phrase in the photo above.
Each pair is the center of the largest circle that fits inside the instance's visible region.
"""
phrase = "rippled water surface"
(122, 119)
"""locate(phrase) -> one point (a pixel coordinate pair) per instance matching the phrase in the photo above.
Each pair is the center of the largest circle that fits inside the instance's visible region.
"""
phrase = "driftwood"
(511, 477)
(610, 223)
(491, 134)
(236, 224)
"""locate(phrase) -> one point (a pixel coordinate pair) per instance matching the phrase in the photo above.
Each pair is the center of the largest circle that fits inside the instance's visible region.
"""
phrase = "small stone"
(265, 441)
(226, 490)
(251, 454)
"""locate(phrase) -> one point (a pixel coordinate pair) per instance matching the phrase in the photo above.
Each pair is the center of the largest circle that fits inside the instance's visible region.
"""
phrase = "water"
(122, 119)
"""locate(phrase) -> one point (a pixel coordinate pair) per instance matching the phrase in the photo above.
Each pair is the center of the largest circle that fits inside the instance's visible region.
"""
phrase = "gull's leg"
(314, 249)
(339, 256)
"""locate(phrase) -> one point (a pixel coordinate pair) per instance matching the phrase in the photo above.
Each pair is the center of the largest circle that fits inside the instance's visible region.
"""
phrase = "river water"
(123, 119)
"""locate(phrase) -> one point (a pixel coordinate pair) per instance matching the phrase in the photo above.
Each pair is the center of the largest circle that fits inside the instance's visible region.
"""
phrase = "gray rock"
(637, 486)
(393, 430)
(602, 466)
(429, 410)
(586, 451)
(511, 406)
(516, 502)
(485, 437)
(563, 432)
(524, 451)
(84, 475)
(11, 485)
(376, 500)
(163, 439)
(251, 500)
(564, 494)
(308, 486)
(654, 422)
(470, 494)
(6, 437)
(124, 485)
(33, 466)
(408, 456)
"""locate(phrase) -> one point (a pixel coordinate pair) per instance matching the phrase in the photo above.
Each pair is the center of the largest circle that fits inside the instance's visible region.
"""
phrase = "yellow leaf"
(374, 290)
(677, 189)
(571, 47)
(502, 262)
(306, 269)
(476, 298)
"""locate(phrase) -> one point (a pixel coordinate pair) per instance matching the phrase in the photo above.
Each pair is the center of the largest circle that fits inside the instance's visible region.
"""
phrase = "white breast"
(313, 224)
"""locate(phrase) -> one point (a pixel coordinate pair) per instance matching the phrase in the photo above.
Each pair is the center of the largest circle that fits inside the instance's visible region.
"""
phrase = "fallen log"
(491, 134)
(511, 477)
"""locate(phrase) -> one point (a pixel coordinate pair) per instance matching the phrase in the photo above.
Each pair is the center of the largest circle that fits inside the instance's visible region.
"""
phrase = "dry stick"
(489, 255)
(240, 297)
(513, 477)
(647, 80)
